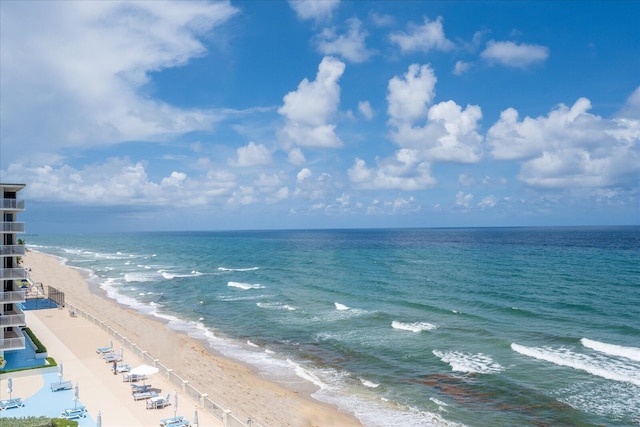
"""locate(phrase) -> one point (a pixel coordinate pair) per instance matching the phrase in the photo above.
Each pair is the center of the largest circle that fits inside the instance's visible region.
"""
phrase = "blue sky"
(320, 114)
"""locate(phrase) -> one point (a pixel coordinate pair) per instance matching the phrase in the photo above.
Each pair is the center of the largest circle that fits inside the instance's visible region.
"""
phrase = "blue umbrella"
(10, 386)
(195, 417)
(60, 370)
(99, 419)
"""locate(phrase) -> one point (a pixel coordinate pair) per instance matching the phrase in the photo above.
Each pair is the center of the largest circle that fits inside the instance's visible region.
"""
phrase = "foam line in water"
(470, 363)
(341, 306)
(632, 353)
(238, 269)
(597, 365)
(244, 286)
(413, 327)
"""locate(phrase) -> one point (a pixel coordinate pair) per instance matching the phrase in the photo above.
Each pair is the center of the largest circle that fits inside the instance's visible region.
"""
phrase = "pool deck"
(72, 341)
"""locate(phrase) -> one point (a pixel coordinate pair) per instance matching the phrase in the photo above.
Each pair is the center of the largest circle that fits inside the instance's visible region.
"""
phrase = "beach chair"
(135, 388)
(158, 402)
(171, 421)
(129, 378)
(106, 349)
(62, 385)
(145, 395)
(112, 357)
(183, 423)
(11, 403)
(74, 413)
(122, 368)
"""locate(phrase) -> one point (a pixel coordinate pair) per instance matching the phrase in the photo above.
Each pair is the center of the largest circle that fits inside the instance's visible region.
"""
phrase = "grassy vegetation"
(40, 348)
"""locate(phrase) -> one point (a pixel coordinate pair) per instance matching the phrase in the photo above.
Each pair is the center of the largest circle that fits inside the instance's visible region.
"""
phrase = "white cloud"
(350, 46)
(402, 172)
(252, 155)
(423, 38)
(313, 187)
(296, 157)
(516, 55)
(410, 95)
(461, 67)
(119, 182)
(365, 109)
(488, 202)
(308, 110)
(449, 134)
(463, 199)
(381, 20)
(569, 147)
(77, 70)
(314, 9)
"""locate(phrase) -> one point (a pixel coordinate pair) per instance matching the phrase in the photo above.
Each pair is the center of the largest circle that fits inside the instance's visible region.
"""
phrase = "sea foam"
(244, 286)
(632, 353)
(598, 365)
(413, 327)
(468, 362)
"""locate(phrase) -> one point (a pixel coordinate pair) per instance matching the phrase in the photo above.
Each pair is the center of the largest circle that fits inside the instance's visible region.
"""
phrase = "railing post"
(202, 397)
(225, 417)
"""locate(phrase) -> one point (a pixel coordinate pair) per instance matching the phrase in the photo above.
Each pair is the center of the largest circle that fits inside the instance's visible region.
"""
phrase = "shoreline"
(230, 383)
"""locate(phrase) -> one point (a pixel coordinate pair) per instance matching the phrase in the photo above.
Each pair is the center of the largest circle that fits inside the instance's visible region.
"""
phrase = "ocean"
(401, 327)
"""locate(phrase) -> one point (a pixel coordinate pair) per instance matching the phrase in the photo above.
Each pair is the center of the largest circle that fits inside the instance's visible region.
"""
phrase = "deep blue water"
(483, 327)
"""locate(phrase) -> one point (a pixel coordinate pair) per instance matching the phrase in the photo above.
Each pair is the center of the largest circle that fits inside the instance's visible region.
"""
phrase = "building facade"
(12, 274)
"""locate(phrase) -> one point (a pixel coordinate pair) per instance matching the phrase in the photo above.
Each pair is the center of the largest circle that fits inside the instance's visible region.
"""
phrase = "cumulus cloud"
(365, 109)
(402, 172)
(77, 69)
(309, 109)
(425, 37)
(463, 200)
(461, 67)
(252, 155)
(120, 182)
(570, 147)
(350, 46)
(314, 9)
(449, 134)
(514, 55)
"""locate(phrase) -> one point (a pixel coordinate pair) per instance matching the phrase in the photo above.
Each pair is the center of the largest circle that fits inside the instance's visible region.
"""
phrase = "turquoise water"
(411, 327)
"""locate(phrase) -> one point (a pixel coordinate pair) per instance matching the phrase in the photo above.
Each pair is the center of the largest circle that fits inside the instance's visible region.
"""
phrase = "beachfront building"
(12, 274)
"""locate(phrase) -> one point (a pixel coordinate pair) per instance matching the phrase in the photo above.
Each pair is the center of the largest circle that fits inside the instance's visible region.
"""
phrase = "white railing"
(12, 204)
(11, 250)
(203, 399)
(12, 273)
(12, 297)
(11, 227)
(12, 320)
(7, 344)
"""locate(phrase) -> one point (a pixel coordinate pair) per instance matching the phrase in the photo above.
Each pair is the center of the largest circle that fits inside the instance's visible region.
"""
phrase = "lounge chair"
(11, 403)
(122, 368)
(145, 395)
(112, 357)
(135, 388)
(158, 402)
(62, 385)
(129, 378)
(183, 423)
(73, 413)
(106, 349)
(171, 421)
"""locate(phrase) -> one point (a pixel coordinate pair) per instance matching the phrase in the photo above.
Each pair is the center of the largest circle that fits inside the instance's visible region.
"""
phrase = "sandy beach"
(231, 384)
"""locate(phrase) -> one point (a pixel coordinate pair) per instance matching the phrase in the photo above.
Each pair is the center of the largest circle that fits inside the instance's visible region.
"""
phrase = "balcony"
(15, 320)
(13, 297)
(11, 227)
(13, 273)
(11, 205)
(12, 250)
(13, 340)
